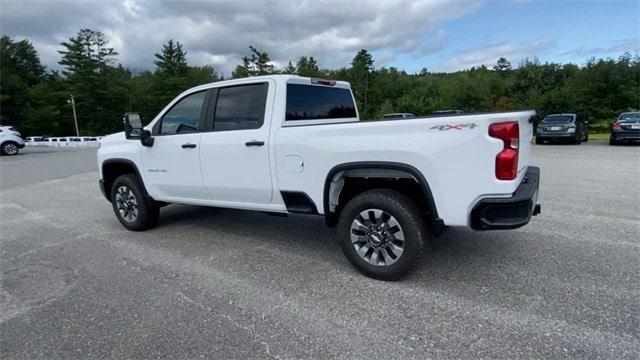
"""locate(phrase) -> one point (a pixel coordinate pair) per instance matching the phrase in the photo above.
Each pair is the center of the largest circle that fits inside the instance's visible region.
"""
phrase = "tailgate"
(525, 125)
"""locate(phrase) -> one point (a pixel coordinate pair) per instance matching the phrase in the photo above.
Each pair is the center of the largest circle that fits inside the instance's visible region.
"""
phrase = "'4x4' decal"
(446, 127)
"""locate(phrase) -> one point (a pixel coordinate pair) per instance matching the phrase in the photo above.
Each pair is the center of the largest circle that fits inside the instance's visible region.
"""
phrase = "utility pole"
(75, 118)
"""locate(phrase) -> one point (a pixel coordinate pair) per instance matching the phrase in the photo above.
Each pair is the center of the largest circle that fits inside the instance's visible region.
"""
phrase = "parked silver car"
(562, 127)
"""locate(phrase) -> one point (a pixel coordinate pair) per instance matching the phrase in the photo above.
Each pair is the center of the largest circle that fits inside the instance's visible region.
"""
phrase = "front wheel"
(382, 233)
(133, 207)
(9, 148)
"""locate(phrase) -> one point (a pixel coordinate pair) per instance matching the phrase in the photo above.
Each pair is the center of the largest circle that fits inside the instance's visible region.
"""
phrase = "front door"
(172, 164)
(234, 157)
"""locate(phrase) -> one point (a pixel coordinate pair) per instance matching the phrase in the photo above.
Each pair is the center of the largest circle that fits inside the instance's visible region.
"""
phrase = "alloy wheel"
(377, 237)
(126, 204)
(10, 149)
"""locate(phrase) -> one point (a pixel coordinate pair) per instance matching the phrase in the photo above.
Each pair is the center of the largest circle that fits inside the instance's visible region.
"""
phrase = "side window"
(184, 117)
(240, 107)
(309, 102)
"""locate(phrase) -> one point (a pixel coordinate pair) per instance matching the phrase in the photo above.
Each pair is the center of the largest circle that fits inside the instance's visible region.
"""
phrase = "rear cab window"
(309, 104)
(240, 107)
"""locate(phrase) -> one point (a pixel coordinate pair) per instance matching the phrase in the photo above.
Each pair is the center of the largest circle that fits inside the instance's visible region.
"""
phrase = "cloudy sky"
(442, 35)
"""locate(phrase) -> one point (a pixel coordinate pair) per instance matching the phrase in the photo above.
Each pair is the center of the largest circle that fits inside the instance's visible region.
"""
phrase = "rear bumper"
(626, 135)
(512, 212)
(556, 135)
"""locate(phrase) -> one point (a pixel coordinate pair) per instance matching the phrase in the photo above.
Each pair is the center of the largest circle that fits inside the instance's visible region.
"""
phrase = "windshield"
(629, 117)
(558, 119)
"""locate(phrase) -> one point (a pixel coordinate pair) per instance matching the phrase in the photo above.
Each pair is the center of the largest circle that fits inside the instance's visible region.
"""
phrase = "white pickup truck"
(289, 144)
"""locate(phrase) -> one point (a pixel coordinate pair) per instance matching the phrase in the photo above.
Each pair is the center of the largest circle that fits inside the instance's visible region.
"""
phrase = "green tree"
(36, 101)
(290, 69)
(150, 92)
(100, 89)
(172, 60)
(257, 63)
(502, 65)
(20, 69)
(361, 75)
(46, 111)
(307, 66)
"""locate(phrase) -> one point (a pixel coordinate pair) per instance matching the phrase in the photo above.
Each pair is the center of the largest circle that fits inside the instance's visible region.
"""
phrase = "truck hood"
(113, 138)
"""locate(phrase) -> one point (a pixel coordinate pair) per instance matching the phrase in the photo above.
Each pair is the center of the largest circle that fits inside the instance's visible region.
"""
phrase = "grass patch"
(599, 136)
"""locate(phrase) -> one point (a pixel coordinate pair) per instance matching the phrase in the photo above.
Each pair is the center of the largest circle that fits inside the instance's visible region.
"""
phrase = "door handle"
(254, 143)
(188, 146)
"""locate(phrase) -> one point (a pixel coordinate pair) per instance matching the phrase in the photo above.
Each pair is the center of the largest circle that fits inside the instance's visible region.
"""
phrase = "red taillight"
(616, 126)
(507, 159)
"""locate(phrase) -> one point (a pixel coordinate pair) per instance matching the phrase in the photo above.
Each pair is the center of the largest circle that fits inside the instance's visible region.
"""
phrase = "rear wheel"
(133, 207)
(613, 141)
(9, 148)
(577, 140)
(539, 141)
(382, 233)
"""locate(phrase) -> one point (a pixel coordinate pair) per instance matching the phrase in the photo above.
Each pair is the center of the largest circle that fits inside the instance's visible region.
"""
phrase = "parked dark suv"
(562, 127)
(625, 128)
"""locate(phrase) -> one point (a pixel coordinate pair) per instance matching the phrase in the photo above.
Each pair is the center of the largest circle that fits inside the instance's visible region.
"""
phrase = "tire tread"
(148, 210)
(406, 209)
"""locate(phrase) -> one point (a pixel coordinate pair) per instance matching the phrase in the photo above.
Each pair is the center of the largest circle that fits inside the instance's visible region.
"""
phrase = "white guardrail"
(64, 141)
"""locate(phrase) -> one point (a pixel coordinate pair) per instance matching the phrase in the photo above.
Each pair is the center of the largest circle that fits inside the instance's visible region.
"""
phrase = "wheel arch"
(112, 168)
(331, 216)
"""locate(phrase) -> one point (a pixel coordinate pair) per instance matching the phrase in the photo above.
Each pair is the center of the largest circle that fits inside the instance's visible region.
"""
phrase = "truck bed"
(455, 154)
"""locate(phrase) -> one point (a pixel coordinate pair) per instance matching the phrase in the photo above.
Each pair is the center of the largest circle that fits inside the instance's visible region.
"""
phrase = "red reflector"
(507, 164)
(507, 159)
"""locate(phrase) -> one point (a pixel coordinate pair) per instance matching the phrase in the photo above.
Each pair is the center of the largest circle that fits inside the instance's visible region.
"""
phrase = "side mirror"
(132, 126)
(146, 139)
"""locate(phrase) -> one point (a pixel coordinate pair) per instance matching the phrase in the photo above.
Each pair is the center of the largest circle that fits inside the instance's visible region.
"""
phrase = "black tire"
(412, 228)
(577, 140)
(539, 141)
(586, 137)
(9, 148)
(612, 141)
(146, 210)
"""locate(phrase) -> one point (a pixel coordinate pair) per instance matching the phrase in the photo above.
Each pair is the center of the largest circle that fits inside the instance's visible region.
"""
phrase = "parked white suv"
(10, 140)
(289, 144)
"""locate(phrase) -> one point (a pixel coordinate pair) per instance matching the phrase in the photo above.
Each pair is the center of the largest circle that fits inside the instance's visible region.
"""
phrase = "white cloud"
(488, 55)
(219, 32)
(616, 48)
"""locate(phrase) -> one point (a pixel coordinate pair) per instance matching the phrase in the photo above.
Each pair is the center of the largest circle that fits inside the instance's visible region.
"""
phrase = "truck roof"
(282, 78)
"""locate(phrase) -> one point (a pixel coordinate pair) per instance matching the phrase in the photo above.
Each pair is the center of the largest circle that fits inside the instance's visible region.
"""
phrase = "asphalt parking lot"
(230, 284)
(37, 164)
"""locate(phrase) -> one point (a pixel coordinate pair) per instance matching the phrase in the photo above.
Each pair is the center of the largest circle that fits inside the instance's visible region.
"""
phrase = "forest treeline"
(36, 100)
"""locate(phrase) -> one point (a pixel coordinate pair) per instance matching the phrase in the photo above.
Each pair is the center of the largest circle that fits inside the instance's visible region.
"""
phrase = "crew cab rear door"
(172, 164)
(234, 152)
